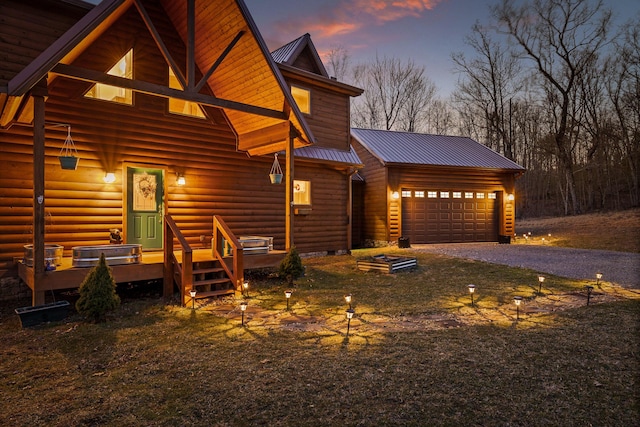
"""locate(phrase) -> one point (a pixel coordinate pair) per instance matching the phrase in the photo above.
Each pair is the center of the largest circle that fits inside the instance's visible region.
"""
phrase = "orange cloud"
(392, 10)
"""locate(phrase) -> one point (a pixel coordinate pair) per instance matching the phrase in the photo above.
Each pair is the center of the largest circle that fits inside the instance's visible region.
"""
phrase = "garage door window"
(444, 194)
(432, 194)
(480, 195)
(491, 195)
(406, 193)
(468, 195)
(457, 194)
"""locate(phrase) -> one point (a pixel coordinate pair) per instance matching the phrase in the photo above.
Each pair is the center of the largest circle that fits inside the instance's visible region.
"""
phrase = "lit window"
(444, 194)
(301, 192)
(406, 193)
(432, 194)
(479, 195)
(302, 98)
(491, 195)
(419, 194)
(178, 106)
(457, 195)
(468, 195)
(124, 69)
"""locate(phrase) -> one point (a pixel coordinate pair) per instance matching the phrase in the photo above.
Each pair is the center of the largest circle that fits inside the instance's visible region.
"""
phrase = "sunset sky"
(427, 31)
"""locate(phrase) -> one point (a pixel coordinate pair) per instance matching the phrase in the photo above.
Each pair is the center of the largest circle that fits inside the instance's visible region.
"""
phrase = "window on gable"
(301, 192)
(302, 98)
(179, 106)
(124, 69)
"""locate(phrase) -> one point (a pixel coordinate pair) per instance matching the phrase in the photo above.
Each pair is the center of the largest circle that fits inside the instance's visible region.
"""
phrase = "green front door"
(145, 207)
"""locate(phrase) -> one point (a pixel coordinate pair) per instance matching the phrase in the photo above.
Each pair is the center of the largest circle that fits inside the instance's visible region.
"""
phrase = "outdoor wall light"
(472, 289)
(243, 308)
(193, 293)
(589, 290)
(347, 298)
(180, 180)
(287, 294)
(350, 313)
(540, 282)
(109, 178)
(517, 300)
(511, 197)
(395, 195)
(598, 277)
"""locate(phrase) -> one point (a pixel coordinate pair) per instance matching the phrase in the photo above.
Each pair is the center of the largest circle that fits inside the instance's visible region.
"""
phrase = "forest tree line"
(552, 84)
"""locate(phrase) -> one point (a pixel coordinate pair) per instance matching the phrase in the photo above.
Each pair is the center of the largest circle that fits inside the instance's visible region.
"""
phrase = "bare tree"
(338, 61)
(562, 38)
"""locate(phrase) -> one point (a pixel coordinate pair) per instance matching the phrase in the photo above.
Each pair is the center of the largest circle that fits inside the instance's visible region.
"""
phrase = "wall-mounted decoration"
(144, 192)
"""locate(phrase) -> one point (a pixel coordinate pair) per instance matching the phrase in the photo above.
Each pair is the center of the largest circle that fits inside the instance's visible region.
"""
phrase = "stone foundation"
(12, 287)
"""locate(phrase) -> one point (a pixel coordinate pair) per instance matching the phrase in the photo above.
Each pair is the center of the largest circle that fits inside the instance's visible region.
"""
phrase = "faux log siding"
(329, 118)
(80, 207)
(375, 195)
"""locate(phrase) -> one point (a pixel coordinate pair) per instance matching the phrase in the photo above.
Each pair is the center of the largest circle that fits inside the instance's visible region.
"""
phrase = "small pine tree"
(291, 266)
(98, 292)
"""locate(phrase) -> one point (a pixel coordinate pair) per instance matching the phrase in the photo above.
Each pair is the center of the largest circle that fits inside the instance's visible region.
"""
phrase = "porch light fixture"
(472, 289)
(193, 293)
(517, 300)
(589, 289)
(287, 294)
(598, 277)
(347, 298)
(109, 178)
(540, 282)
(243, 308)
(395, 195)
(511, 197)
(180, 180)
(350, 313)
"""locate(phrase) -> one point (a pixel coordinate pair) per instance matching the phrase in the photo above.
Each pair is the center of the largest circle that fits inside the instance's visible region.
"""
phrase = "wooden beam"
(160, 43)
(216, 64)
(191, 42)
(92, 76)
(289, 197)
(37, 297)
(278, 133)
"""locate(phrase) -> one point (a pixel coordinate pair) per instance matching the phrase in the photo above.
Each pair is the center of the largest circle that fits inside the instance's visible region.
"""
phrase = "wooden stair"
(211, 280)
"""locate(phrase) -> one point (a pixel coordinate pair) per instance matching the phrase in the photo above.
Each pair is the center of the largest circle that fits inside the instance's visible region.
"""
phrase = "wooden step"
(219, 293)
(211, 281)
(208, 270)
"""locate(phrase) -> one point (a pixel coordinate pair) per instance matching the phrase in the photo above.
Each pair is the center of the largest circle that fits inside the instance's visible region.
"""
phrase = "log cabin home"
(177, 115)
(432, 189)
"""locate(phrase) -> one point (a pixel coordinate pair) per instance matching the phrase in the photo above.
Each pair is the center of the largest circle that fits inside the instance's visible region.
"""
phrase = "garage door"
(444, 216)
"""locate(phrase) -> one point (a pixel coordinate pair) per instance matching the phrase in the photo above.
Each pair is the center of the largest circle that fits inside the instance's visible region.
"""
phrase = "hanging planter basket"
(276, 171)
(68, 154)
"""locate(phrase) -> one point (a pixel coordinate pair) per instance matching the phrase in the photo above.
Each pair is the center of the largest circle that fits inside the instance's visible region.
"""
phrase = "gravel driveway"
(617, 267)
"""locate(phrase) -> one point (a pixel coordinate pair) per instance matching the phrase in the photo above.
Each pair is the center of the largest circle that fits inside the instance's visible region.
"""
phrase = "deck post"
(37, 296)
(167, 281)
(289, 208)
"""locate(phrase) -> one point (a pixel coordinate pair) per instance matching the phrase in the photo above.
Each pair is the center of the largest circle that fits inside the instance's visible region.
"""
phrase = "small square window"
(432, 194)
(468, 195)
(457, 195)
(179, 106)
(419, 194)
(302, 98)
(301, 192)
(406, 193)
(444, 194)
(479, 195)
(491, 195)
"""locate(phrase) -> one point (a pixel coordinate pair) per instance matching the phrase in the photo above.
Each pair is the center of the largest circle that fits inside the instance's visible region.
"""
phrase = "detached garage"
(433, 188)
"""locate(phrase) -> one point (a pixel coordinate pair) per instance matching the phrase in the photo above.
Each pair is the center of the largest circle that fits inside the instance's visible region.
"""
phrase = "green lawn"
(418, 353)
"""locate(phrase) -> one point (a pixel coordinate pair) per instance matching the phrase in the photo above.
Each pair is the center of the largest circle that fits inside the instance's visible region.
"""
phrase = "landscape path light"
(472, 289)
(287, 294)
(517, 300)
(245, 288)
(589, 289)
(350, 313)
(193, 293)
(347, 298)
(598, 277)
(540, 282)
(243, 308)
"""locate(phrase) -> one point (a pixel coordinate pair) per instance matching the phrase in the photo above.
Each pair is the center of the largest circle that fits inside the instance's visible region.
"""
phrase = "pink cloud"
(391, 10)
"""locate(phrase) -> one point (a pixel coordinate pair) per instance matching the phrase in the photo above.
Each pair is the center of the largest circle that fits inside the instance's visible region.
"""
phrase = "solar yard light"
(540, 282)
(598, 277)
(350, 313)
(243, 308)
(193, 292)
(347, 298)
(472, 289)
(287, 294)
(245, 288)
(589, 290)
(517, 300)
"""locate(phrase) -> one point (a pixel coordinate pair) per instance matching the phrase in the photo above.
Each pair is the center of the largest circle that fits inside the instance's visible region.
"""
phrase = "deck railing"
(226, 244)
(184, 270)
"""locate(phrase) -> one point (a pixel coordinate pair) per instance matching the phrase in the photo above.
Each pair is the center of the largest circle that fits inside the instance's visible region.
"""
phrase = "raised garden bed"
(386, 263)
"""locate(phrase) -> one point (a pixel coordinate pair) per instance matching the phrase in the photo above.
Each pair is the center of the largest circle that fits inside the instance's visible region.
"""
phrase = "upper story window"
(301, 192)
(302, 98)
(179, 106)
(124, 69)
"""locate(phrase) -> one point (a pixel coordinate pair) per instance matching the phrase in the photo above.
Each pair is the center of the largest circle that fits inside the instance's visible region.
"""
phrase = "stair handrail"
(171, 264)
(221, 233)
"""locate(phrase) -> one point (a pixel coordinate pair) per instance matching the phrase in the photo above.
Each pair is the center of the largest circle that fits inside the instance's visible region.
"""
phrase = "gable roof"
(298, 51)
(407, 148)
(245, 82)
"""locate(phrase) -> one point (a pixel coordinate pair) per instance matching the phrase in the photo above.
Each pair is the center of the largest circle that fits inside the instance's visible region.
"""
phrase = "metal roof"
(289, 53)
(393, 147)
(329, 155)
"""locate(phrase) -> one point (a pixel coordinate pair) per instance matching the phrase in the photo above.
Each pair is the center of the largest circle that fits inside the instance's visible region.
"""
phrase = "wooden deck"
(151, 267)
